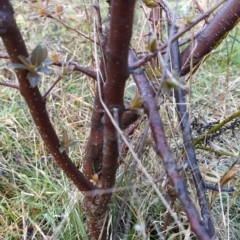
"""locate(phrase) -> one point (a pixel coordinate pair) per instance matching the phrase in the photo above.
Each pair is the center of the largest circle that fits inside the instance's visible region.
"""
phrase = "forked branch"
(162, 149)
(15, 47)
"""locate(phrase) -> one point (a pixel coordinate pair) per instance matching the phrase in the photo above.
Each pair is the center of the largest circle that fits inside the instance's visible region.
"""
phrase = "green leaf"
(73, 144)
(26, 62)
(136, 102)
(38, 55)
(169, 85)
(62, 149)
(66, 142)
(151, 3)
(152, 43)
(44, 70)
(17, 66)
(65, 139)
(34, 78)
(47, 62)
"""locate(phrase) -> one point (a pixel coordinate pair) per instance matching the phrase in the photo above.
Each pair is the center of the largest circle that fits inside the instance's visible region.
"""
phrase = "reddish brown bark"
(224, 21)
(116, 59)
(169, 162)
(15, 46)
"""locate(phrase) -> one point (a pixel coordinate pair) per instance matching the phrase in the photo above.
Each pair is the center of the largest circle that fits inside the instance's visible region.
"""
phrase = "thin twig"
(186, 127)
(162, 149)
(216, 128)
(59, 77)
(149, 56)
(200, 9)
(218, 152)
(216, 188)
(99, 22)
(11, 85)
(143, 60)
(73, 65)
(211, 36)
(71, 28)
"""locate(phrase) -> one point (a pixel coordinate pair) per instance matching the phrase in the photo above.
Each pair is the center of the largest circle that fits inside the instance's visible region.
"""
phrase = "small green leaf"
(66, 142)
(151, 3)
(152, 43)
(26, 62)
(62, 149)
(17, 66)
(38, 55)
(73, 144)
(44, 70)
(65, 70)
(65, 138)
(34, 78)
(47, 62)
(136, 102)
(45, 53)
(169, 85)
(57, 71)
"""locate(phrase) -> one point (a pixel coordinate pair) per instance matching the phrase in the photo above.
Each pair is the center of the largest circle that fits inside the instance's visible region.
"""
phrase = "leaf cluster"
(35, 63)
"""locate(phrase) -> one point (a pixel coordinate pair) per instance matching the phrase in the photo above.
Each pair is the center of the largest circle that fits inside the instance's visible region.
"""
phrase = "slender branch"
(211, 36)
(59, 77)
(163, 46)
(162, 149)
(216, 128)
(74, 66)
(218, 152)
(217, 189)
(200, 9)
(190, 151)
(141, 61)
(99, 23)
(71, 28)
(15, 46)
(186, 127)
(11, 85)
(192, 24)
